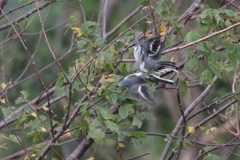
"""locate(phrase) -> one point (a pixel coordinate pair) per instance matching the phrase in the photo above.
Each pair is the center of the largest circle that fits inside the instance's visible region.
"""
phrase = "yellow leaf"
(76, 61)
(191, 129)
(25, 158)
(103, 79)
(3, 101)
(78, 31)
(207, 132)
(3, 85)
(163, 29)
(202, 128)
(33, 155)
(144, 8)
(148, 22)
(68, 133)
(90, 88)
(172, 59)
(121, 145)
(110, 80)
(106, 78)
(90, 158)
(213, 129)
(111, 75)
(82, 62)
(45, 108)
(34, 114)
(149, 35)
(43, 129)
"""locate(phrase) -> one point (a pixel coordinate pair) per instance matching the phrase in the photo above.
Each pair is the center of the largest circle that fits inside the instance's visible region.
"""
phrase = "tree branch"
(123, 22)
(186, 113)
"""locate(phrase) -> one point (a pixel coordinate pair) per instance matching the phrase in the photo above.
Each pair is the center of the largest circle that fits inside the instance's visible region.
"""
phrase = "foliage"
(75, 96)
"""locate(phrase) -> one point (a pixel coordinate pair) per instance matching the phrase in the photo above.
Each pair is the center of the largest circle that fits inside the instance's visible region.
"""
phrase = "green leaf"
(190, 75)
(182, 88)
(5, 111)
(208, 148)
(112, 98)
(106, 114)
(22, 2)
(94, 124)
(204, 48)
(185, 146)
(112, 126)
(144, 2)
(84, 126)
(215, 68)
(192, 36)
(106, 55)
(207, 77)
(72, 20)
(96, 134)
(23, 98)
(125, 110)
(211, 157)
(19, 100)
(122, 135)
(148, 116)
(178, 26)
(25, 94)
(138, 134)
(136, 142)
(126, 125)
(2, 146)
(233, 59)
(137, 122)
(22, 118)
(192, 63)
(12, 138)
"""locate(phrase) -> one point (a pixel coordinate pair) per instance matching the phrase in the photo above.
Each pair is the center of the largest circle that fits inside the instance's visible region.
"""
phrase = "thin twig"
(214, 104)
(136, 157)
(47, 41)
(123, 21)
(184, 123)
(201, 39)
(186, 113)
(29, 149)
(13, 22)
(104, 18)
(71, 118)
(213, 115)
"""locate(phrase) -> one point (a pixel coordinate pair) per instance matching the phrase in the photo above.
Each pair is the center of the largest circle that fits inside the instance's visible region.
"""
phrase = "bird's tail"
(156, 79)
(167, 64)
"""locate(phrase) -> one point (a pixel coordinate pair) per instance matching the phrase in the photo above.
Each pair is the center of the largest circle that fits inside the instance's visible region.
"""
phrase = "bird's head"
(134, 44)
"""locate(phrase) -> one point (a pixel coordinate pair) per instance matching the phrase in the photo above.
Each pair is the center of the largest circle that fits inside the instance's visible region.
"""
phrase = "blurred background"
(16, 68)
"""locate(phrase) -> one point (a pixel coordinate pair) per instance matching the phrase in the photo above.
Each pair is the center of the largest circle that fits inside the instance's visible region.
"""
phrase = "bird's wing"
(154, 47)
(141, 92)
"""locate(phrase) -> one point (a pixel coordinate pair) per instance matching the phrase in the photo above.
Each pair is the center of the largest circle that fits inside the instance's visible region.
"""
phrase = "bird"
(136, 87)
(148, 53)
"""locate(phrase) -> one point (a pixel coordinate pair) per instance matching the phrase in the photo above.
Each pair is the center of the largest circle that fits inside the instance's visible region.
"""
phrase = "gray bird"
(136, 87)
(147, 54)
